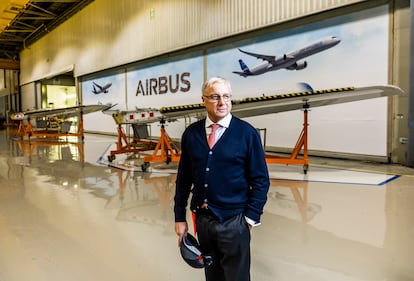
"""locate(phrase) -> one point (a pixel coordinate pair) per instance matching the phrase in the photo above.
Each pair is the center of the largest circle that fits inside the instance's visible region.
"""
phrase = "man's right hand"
(181, 228)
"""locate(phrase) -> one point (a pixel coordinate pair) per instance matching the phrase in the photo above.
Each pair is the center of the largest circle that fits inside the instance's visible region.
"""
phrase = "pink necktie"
(212, 137)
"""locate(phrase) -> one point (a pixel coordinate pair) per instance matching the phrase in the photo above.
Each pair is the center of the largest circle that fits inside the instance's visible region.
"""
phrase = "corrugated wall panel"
(105, 35)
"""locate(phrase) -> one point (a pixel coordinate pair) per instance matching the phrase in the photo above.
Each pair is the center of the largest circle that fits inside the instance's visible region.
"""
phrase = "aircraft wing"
(294, 101)
(99, 86)
(255, 106)
(240, 73)
(59, 112)
(270, 59)
(261, 105)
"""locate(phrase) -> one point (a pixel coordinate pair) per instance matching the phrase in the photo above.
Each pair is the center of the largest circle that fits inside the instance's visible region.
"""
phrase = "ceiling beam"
(9, 64)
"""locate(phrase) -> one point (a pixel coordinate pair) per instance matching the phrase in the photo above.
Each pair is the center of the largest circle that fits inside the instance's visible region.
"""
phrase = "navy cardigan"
(232, 177)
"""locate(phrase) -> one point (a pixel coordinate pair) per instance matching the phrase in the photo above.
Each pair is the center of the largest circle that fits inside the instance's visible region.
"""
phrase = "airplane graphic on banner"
(98, 89)
(290, 61)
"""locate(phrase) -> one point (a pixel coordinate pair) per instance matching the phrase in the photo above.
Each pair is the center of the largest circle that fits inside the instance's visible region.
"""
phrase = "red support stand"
(302, 143)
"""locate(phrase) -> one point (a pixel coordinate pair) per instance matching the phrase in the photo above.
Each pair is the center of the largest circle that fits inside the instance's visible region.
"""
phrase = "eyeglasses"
(216, 97)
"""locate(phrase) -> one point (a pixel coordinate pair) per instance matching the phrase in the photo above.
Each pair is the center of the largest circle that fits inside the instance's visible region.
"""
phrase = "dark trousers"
(229, 245)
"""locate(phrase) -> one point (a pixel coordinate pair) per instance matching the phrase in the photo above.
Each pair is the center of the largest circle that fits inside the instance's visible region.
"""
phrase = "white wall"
(29, 101)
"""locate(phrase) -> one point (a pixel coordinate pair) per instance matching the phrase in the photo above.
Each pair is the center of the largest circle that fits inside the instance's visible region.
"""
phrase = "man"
(228, 181)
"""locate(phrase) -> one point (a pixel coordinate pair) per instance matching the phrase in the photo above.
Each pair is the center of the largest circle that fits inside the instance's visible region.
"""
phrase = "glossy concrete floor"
(65, 216)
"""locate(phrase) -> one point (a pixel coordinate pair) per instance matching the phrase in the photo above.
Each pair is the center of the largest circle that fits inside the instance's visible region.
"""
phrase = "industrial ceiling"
(22, 22)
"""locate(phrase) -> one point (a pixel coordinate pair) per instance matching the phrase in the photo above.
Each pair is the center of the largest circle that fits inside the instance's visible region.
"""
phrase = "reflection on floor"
(66, 215)
(293, 172)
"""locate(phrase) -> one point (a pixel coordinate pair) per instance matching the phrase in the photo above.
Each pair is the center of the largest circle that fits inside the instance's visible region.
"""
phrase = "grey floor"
(65, 215)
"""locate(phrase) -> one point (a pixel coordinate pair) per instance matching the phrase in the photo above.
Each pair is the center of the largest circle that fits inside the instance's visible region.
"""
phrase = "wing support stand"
(25, 130)
(124, 146)
(302, 143)
(29, 131)
(165, 150)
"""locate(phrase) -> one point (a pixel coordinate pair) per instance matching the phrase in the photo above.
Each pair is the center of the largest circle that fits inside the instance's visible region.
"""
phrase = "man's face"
(217, 109)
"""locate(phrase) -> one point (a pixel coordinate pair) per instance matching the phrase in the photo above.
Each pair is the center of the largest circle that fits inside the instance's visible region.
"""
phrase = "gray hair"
(216, 79)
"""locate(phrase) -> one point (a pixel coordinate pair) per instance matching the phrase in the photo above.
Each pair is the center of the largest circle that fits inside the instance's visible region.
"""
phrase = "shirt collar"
(225, 122)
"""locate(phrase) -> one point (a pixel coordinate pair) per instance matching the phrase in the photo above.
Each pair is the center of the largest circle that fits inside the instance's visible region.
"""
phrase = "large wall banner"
(350, 50)
(109, 89)
(175, 81)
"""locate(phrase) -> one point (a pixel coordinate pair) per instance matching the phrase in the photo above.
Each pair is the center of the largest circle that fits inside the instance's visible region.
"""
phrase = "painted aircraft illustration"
(290, 61)
(98, 89)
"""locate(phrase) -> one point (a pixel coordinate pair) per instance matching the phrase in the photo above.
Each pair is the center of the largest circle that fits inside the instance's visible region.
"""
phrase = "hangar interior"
(71, 207)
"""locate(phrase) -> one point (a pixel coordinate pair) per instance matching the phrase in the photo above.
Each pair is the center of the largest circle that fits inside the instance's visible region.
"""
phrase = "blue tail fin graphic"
(303, 86)
(244, 67)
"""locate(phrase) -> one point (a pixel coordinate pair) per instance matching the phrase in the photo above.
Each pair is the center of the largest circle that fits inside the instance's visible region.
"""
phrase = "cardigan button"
(207, 169)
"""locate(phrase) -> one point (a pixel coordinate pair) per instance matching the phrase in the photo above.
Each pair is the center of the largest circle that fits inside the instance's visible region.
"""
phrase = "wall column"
(410, 156)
